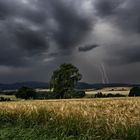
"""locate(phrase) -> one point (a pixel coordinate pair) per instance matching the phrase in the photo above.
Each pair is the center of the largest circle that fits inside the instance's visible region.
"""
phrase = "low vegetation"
(118, 90)
(135, 91)
(4, 99)
(26, 93)
(99, 119)
(101, 95)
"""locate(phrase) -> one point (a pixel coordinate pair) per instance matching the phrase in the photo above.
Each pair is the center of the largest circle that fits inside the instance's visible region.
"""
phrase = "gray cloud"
(33, 41)
(128, 55)
(106, 8)
(87, 48)
(124, 14)
(32, 27)
(72, 26)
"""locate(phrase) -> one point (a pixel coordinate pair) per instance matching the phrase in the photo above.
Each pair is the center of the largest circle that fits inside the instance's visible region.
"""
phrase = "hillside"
(45, 85)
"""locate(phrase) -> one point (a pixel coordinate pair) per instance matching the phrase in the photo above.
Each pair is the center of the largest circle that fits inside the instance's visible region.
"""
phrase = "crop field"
(113, 90)
(81, 119)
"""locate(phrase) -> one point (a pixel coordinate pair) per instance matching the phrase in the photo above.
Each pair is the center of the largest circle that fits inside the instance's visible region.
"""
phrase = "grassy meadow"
(112, 90)
(81, 119)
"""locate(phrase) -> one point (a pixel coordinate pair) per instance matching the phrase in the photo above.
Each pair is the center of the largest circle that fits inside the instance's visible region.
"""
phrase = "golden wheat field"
(120, 110)
(94, 118)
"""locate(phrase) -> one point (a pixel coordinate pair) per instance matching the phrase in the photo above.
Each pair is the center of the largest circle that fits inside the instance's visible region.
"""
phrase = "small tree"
(26, 93)
(64, 79)
(135, 91)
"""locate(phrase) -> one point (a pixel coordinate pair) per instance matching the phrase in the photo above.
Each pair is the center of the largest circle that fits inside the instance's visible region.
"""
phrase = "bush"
(135, 91)
(46, 95)
(74, 94)
(53, 95)
(101, 95)
(3, 99)
(7, 93)
(26, 93)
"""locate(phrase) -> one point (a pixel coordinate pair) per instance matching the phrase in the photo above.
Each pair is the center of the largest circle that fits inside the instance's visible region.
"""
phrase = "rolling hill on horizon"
(45, 85)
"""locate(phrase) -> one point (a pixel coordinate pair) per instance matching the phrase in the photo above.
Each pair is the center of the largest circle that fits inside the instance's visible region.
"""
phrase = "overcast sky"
(100, 37)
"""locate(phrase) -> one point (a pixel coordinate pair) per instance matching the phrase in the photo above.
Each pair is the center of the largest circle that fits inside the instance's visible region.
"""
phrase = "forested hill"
(45, 85)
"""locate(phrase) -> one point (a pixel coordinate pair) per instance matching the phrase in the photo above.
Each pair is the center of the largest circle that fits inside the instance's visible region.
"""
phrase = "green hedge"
(52, 95)
(75, 94)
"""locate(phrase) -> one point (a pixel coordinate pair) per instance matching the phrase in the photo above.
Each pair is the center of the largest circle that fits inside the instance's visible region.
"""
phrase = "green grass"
(66, 132)
(12, 97)
(96, 119)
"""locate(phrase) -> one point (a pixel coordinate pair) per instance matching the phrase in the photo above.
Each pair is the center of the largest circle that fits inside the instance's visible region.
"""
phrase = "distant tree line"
(63, 86)
(135, 91)
(101, 95)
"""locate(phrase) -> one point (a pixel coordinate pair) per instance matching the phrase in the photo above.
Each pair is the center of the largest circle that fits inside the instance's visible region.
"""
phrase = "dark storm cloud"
(122, 13)
(10, 54)
(32, 26)
(87, 48)
(20, 38)
(106, 7)
(53, 54)
(130, 55)
(72, 26)
(124, 16)
(31, 40)
(11, 58)
(5, 9)
(34, 33)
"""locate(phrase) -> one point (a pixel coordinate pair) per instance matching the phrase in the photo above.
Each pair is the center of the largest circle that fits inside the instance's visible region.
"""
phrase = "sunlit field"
(113, 90)
(81, 119)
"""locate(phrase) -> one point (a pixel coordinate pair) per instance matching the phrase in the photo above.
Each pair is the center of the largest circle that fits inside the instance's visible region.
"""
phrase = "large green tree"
(64, 79)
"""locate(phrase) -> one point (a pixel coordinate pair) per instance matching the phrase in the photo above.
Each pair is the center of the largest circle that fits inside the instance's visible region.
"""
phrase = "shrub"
(100, 95)
(53, 95)
(135, 91)
(46, 95)
(75, 94)
(26, 93)
(3, 99)
(110, 95)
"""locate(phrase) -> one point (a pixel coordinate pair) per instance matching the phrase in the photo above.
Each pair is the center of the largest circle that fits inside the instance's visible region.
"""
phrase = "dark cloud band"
(87, 48)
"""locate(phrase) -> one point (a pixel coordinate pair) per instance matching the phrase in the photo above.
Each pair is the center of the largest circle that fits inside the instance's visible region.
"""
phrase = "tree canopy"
(26, 93)
(135, 91)
(64, 79)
